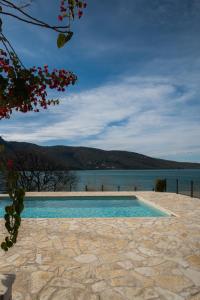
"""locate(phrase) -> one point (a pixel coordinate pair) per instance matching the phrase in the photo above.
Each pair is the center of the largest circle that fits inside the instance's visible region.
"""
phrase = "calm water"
(85, 207)
(141, 179)
(136, 179)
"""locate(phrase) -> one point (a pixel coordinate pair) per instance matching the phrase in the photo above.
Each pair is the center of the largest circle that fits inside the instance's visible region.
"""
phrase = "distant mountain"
(83, 158)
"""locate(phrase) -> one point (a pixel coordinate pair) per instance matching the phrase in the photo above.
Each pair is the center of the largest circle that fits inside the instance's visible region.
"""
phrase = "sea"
(133, 179)
(140, 180)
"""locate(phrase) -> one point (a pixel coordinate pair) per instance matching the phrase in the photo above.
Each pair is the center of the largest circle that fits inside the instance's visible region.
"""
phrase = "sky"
(138, 68)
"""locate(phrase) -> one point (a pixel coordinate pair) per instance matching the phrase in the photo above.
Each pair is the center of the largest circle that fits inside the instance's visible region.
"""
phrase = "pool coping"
(169, 213)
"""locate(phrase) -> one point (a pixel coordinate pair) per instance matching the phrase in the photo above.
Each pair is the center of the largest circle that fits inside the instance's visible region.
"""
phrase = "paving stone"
(110, 295)
(12, 258)
(65, 294)
(126, 264)
(18, 296)
(38, 280)
(167, 295)
(146, 271)
(99, 286)
(134, 256)
(194, 260)
(129, 293)
(193, 275)
(85, 258)
(147, 251)
(95, 259)
(88, 296)
(125, 281)
(172, 283)
(63, 282)
(106, 272)
(38, 259)
(46, 293)
(195, 297)
(150, 294)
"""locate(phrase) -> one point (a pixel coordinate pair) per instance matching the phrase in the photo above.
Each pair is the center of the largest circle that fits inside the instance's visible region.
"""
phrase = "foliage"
(26, 89)
(13, 211)
(69, 9)
(41, 173)
(160, 185)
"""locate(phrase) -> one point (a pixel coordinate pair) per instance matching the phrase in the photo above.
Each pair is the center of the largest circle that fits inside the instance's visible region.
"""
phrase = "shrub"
(160, 185)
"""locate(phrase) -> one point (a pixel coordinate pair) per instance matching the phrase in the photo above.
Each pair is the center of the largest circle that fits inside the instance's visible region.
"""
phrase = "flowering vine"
(25, 89)
(13, 211)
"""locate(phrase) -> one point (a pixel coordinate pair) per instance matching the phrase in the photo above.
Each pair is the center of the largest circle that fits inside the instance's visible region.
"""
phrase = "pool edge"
(170, 214)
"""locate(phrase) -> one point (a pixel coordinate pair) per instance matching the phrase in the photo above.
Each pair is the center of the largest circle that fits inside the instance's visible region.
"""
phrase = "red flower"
(80, 13)
(10, 164)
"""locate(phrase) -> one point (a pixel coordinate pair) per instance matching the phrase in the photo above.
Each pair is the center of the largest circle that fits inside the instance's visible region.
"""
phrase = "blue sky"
(138, 68)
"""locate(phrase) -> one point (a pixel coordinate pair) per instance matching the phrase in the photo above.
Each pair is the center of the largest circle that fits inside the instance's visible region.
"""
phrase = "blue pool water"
(85, 207)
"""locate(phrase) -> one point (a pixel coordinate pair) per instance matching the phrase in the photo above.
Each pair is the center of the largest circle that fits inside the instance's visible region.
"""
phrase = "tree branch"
(4, 41)
(45, 25)
(34, 21)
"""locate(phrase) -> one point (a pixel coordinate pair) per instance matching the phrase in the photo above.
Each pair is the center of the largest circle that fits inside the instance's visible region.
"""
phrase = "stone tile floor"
(109, 259)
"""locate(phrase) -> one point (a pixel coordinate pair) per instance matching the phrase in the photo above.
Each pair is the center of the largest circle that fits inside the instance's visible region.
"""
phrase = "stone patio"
(109, 259)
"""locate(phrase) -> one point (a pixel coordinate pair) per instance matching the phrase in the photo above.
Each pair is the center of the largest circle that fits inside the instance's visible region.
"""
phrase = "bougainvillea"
(69, 9)
(26, 89)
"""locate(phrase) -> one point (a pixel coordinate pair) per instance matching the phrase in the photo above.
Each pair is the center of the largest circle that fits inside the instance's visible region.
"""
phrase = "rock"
(18, 296)
(110, 295)
(12, 258)
(148, 251)
(99, 286)
(124, 281)
(85, 258)
(194, 260)
(195, 297)
(126, 264)
(46, 293)
(150, 294)
(179, 261)
(38, 259)
(167, 295)
(172, 283)
(63, 294)
(87, 296)
(64, 282)
(38, 280)
(57, 244)
(130, 293)
(134, 256)
(106, 272)
(193, 275)
(146, 271)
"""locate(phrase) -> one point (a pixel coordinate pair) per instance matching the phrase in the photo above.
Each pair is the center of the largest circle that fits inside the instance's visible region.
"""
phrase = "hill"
(84, 158)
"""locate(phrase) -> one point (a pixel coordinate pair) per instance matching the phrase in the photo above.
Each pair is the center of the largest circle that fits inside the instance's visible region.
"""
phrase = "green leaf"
(63, 39)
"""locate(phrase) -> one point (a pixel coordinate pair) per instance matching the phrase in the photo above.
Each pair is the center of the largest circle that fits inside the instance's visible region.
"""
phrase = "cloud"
(138, 70)
(149, 115)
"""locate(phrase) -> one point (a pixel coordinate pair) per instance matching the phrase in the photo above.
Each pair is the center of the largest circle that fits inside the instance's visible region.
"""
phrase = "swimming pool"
(85, 207)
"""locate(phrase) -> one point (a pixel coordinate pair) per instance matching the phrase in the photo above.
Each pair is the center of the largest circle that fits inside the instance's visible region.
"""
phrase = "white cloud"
(148, 115)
